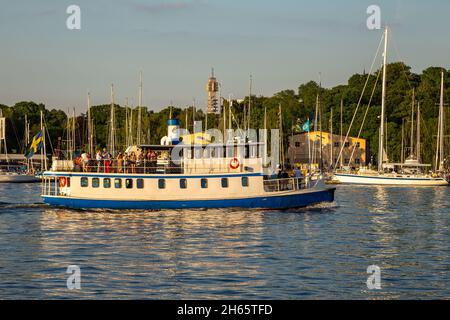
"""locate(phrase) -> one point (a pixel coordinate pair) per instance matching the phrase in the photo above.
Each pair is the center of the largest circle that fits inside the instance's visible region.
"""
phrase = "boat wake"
(9, 205)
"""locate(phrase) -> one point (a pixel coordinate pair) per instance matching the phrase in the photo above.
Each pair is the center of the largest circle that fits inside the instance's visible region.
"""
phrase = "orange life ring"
(62, 182)
(234, 163)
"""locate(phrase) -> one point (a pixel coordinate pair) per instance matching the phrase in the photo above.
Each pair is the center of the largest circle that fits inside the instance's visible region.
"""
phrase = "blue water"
(315, 253)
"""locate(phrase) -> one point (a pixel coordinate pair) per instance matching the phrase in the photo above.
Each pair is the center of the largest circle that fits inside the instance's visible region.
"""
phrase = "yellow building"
(355, 152)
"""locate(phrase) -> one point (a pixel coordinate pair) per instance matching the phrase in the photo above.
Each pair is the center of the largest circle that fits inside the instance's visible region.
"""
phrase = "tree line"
(297, 107)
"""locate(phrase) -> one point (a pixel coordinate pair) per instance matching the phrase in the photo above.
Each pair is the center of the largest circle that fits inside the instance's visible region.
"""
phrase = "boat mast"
(249, 102)
(281, 134)
(383, 104)
(418, 147)
(402, 153)
(331, 140)
(342, 115)
(43, 150)
(90, 129)
(412, 124)
(440, 137)
(112, 133)
(139, 125)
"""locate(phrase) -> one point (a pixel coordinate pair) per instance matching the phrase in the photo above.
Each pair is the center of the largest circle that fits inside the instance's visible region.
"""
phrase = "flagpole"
(43, 150)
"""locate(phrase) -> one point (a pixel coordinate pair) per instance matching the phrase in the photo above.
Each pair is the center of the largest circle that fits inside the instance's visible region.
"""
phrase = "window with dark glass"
(95, 182)
(161, 184)
(224, 182)
(245, 181)
(129, 183)
(183, 183)
(84, 182)
(140, 183)
(107, 183)
(297, 144)
(118, 183)
(204, 183)
(337, 144)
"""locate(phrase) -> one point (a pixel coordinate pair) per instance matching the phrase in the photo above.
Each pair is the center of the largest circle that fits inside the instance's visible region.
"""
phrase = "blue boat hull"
(298, 200)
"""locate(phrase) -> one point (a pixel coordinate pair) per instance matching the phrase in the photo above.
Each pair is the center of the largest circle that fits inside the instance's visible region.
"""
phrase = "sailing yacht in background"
(412, 172)
(19, 168)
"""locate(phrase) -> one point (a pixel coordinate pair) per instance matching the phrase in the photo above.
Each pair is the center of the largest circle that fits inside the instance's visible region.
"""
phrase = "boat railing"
(146, 168)
(288, 184)
(50, 186)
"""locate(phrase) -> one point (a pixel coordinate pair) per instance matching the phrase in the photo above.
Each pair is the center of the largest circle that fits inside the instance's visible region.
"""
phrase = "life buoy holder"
(62, 182)
(234, 163)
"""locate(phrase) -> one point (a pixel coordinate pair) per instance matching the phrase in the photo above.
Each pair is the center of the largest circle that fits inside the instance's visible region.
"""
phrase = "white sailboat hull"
(18, 178)
(392, 180)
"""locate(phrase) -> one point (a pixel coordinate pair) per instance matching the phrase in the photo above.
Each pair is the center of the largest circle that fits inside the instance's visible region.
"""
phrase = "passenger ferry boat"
(204, 176)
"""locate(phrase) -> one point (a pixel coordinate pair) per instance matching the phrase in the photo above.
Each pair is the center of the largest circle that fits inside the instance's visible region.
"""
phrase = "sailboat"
(18, 169)
(409, 173)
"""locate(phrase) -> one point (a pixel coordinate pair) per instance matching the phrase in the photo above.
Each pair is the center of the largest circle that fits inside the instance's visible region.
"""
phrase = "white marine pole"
(383, 104)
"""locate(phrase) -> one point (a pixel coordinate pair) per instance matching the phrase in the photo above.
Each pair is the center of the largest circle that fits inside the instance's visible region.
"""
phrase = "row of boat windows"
(139, 183)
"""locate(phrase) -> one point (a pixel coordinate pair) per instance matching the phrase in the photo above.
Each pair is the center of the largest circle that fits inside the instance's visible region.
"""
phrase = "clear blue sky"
(176, 42)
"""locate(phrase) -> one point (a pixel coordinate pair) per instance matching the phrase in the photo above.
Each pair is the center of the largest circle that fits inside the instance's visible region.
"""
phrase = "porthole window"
(245, 182)
(161, 184)
(107, 183)
(95, 182)
(183, 183)
(224, 182)
(84, 182)
(140, 183)
(117, 183)
(204, 183)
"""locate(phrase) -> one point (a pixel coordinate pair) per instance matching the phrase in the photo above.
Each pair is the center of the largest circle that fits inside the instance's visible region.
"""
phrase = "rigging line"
(16, 135)
(365, 115)
(398, 59)
(360, 100)
(48, 134)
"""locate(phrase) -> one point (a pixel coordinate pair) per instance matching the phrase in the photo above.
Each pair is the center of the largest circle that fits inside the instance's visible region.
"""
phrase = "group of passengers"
(133, 162)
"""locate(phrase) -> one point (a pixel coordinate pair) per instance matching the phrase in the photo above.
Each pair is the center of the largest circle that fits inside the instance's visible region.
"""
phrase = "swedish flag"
(35, 146)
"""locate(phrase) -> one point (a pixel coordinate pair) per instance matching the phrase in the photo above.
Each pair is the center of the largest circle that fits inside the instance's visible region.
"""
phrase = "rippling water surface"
(314, 253)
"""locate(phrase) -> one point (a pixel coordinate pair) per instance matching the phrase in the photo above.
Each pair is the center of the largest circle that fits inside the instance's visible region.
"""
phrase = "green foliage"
(297, 107)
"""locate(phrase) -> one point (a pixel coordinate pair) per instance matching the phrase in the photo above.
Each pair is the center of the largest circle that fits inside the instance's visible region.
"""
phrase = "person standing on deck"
(107, 160)
(99, 159)
(120, 159)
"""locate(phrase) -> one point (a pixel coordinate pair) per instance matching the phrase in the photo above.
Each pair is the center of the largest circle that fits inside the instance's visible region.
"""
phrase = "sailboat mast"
(402, 153)
(441, 125)
(112, 138)
(250, 102)
(43, 150)
(139, 126)
(412, 123)
(331, 139)
(418, 148)
(90, 129)
(342, 116)
(383, 104)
